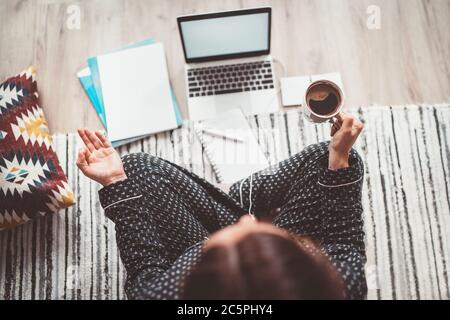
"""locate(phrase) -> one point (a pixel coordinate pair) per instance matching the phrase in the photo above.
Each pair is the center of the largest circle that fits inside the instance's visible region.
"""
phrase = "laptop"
(228, 62)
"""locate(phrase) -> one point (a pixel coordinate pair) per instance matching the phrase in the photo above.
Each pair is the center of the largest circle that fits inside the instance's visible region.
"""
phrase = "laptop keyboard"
(230, 79)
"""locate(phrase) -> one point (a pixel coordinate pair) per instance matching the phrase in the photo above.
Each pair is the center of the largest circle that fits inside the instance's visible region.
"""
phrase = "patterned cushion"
(32, 182)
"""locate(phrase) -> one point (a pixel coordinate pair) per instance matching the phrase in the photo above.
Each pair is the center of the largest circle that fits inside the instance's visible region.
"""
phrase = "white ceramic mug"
(318, 118)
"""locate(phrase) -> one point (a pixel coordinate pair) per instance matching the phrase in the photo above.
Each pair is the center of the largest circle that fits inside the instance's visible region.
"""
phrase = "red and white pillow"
(32, 182)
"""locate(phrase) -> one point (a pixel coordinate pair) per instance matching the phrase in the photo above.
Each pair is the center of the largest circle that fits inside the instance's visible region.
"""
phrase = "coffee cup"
(323, 101)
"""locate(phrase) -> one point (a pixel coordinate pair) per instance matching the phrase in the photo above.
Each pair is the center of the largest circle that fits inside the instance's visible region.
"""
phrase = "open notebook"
(231, 160)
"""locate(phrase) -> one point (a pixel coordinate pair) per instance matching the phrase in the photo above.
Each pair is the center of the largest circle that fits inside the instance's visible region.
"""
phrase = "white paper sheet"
(136, 92)
(293, 89)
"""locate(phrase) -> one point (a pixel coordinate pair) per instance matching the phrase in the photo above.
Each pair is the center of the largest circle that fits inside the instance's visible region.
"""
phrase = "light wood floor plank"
(406, 61)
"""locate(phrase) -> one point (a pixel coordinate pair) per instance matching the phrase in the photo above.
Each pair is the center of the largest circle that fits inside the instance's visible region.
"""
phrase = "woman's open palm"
(98, 160)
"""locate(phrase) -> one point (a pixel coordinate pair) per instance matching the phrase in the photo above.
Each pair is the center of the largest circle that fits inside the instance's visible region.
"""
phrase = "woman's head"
(254, 260)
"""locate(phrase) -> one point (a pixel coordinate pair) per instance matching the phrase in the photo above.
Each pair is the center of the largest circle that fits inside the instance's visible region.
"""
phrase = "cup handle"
(333, 120)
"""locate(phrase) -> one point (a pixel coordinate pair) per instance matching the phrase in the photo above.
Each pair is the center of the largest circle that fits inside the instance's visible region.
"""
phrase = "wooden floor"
(406, 61)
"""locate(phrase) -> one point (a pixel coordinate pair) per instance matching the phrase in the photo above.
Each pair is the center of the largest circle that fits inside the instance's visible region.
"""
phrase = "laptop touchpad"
(230, 101)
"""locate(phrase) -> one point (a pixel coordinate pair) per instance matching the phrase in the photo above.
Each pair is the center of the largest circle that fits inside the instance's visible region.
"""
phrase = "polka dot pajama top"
(163, 213)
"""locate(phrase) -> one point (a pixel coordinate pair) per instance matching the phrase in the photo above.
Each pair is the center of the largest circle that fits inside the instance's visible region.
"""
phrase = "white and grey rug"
(73, 254)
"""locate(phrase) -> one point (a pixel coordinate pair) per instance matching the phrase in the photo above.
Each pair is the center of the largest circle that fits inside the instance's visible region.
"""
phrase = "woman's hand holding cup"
(344, 132)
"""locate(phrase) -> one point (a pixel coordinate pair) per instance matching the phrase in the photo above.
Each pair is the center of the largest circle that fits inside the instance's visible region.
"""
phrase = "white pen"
(221, 134)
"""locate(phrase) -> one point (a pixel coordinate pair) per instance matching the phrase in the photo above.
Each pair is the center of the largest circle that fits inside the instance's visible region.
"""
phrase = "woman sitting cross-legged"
(181, 237)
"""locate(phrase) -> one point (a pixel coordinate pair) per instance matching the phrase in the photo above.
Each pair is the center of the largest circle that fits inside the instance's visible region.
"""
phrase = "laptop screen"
(225, 35)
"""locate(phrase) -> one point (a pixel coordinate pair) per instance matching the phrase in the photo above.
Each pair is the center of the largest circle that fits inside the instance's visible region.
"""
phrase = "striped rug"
(73, 254)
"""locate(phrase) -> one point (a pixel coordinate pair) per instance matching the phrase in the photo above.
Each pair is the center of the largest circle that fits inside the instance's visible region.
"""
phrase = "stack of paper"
(130, 91)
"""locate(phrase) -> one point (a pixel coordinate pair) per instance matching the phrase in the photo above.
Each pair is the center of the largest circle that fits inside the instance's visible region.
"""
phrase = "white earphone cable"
(241, 198)
(250, 196)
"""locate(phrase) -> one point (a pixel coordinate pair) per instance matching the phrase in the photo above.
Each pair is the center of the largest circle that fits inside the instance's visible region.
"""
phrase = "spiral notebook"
(231, 160)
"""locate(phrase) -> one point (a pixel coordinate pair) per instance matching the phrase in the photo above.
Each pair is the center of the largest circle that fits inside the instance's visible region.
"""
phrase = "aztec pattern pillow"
(32, 182)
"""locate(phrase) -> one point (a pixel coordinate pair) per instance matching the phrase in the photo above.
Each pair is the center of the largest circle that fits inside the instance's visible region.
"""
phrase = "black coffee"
(323, 99)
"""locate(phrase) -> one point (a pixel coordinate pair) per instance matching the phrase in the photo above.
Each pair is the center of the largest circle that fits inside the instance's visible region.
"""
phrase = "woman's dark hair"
(264, 266)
